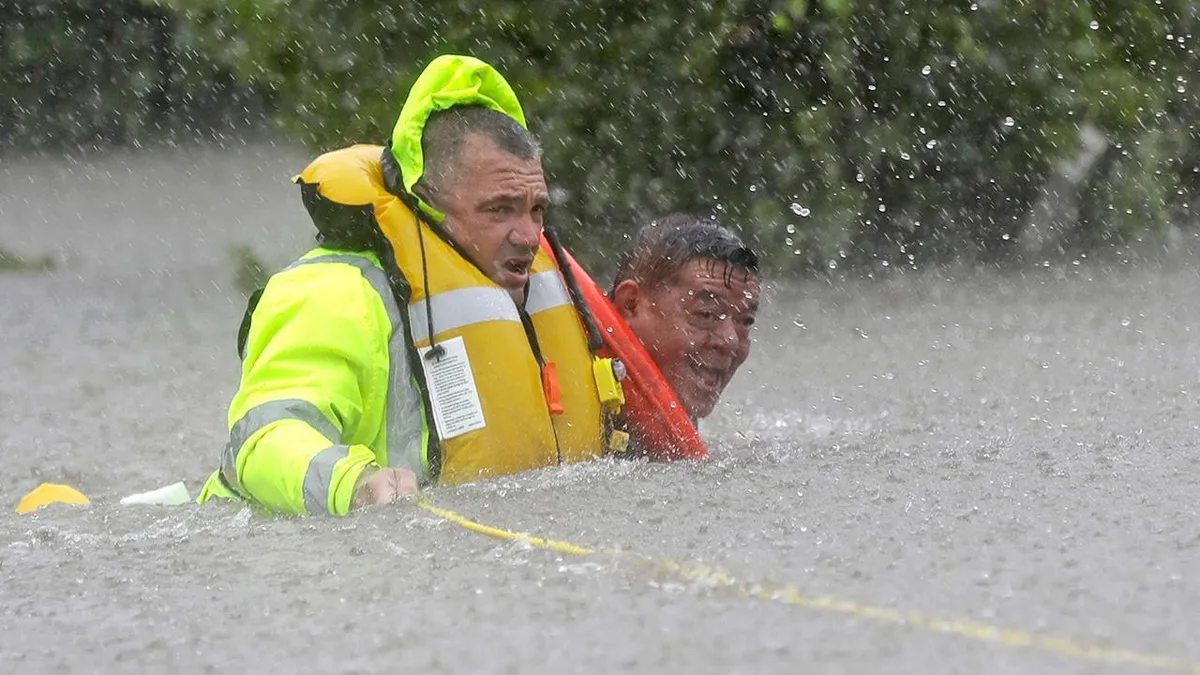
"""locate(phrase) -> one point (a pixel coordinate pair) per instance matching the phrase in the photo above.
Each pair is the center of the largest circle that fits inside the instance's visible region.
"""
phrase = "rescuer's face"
(696, 327)
(494, 204)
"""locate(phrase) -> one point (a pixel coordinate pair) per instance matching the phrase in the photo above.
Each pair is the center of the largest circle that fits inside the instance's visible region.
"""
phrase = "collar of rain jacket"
(450, 80)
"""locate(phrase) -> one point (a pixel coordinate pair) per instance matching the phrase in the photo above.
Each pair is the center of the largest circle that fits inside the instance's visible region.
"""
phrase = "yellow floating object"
(50, 493)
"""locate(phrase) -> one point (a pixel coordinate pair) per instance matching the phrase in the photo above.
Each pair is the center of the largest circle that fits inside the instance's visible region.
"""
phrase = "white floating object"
(171, 495)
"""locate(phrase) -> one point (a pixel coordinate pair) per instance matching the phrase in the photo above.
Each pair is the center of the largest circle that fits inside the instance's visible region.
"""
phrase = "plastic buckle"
(608, 384)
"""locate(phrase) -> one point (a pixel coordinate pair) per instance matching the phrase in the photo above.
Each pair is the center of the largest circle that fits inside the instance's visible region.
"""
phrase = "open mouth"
(710, 377)
(518, 270)
(518, 266)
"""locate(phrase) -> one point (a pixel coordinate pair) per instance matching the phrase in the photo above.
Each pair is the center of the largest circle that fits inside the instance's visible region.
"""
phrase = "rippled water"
(1017, 449)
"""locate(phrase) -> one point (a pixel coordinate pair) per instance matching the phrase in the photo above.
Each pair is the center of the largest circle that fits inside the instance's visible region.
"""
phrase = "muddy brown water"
(1018, 450)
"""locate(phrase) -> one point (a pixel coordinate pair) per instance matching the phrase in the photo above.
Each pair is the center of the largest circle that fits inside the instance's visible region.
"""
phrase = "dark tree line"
(830, 130)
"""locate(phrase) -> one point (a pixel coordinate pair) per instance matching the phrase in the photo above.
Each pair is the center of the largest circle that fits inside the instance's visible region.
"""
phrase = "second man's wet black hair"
(666, 245)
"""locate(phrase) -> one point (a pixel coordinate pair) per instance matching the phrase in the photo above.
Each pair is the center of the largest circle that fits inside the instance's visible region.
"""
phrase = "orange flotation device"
(654, 415)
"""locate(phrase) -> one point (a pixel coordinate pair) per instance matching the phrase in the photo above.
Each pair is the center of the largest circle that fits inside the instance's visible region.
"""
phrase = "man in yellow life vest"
(429, 338)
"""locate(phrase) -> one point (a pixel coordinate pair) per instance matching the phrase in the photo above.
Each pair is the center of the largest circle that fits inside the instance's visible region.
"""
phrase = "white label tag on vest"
(452, 390)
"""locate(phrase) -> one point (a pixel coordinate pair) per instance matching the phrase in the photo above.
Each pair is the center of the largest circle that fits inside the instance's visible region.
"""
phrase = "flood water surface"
(981, 449)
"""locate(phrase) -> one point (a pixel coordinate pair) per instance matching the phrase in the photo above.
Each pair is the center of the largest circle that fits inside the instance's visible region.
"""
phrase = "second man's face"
(495, 203)
(696, 328)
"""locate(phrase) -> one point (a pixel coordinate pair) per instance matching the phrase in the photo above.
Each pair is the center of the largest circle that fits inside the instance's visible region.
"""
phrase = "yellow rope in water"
(718, 578)
(560, 546)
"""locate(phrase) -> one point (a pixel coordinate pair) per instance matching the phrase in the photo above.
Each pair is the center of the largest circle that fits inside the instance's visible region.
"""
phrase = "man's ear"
(628, 298)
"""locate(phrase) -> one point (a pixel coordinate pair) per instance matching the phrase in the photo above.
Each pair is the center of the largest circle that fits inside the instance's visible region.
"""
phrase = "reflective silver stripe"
(319, 477)
(405, 419)
(462, 307)
(547, 290)
(268, 413)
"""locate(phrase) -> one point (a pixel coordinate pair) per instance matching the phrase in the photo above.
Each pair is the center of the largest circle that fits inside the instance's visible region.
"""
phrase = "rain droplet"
(882, 208)
(926, 70)
(791, 229)
(800, 210)
(931, 144)
(833, 264)
(1009, 122)
(1095, 25)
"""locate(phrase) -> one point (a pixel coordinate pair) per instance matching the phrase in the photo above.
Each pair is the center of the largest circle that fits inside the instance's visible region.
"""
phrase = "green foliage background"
(832, 131)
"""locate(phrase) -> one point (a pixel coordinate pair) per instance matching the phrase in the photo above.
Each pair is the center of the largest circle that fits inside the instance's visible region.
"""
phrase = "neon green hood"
(448, 81)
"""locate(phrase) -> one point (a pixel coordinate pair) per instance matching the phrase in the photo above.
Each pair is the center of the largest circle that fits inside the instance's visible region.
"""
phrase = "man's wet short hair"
(446, 131)
(666, 245)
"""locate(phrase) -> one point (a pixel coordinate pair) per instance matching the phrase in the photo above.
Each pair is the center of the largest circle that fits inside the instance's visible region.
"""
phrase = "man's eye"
(497, 209)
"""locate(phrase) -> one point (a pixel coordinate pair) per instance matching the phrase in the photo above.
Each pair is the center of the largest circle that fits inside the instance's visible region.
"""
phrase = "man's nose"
(725, 333)
(527, 232)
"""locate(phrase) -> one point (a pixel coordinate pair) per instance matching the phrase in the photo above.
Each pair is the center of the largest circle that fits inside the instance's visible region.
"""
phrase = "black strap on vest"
(595, 338)
(402, 292)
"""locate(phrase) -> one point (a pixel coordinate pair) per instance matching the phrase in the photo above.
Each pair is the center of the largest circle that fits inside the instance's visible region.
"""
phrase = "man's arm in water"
(301, 396)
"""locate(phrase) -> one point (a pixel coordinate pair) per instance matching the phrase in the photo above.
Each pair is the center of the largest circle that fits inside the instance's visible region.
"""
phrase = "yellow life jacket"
(520, 431)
